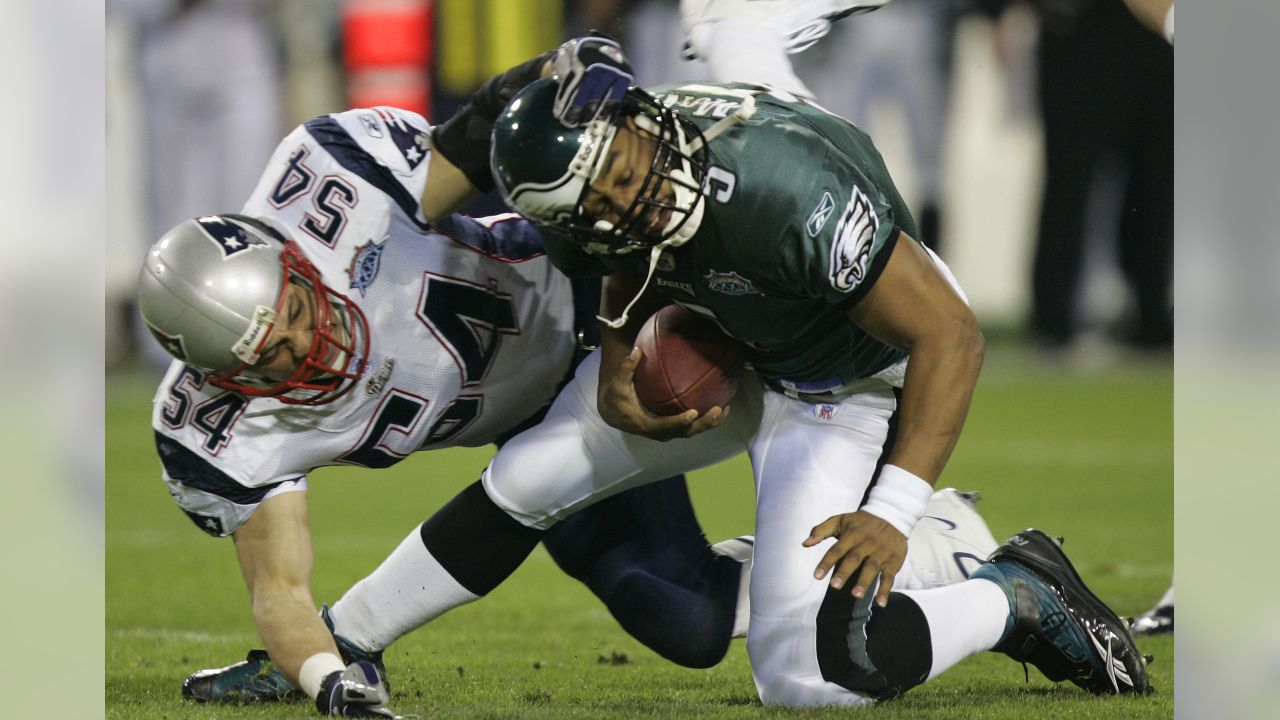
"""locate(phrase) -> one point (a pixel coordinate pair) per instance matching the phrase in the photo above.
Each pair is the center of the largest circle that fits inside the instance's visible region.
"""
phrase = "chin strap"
(741, 115)
(654, 253)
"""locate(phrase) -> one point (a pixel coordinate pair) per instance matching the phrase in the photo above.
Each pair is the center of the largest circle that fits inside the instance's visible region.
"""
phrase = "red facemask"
(332, 365)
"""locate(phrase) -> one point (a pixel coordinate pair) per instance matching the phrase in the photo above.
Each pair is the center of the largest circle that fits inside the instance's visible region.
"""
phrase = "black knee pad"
(880, 652)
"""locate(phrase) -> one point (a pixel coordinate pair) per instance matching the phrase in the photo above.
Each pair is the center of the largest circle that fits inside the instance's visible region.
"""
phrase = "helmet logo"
(246, 348)
(364, 266)
(229, 236)
(171, 343)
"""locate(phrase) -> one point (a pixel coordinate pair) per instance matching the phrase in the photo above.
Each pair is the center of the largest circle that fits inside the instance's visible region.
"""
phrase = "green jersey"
(800, 218)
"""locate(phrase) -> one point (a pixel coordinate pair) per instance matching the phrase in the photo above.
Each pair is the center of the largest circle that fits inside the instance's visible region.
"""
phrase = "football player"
(760, 210)
(332, 324)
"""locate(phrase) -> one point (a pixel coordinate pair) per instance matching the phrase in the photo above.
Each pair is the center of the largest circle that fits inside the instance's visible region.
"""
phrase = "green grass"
(1087, 457)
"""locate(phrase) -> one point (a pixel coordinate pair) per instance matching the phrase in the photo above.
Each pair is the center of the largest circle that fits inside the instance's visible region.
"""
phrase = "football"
(688, 363)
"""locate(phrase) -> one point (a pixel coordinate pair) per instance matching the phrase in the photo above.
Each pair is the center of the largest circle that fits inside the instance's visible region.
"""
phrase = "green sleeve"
(845, 242)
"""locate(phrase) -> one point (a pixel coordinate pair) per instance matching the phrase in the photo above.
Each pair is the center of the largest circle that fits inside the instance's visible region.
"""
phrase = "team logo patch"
(666, 263)
(364, 266)
(826, 411)
(207, 523)
(371, 125)
(409, 140)
(172, 343)
(729, 283)
(851, 249)
(818, 218)
(229, 236)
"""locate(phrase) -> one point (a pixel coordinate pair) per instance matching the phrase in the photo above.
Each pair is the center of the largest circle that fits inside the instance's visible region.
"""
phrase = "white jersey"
(471, 328)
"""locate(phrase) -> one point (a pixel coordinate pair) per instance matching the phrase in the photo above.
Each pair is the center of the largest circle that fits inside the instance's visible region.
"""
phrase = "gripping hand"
(593, 75)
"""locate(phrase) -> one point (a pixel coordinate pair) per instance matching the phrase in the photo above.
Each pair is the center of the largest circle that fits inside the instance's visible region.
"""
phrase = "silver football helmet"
(210, 291)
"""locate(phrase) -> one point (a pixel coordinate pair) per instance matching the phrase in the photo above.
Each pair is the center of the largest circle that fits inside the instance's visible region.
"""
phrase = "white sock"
(741, 51)
(315, 669)
(1167, 600)
(964, 619)
(408, 590)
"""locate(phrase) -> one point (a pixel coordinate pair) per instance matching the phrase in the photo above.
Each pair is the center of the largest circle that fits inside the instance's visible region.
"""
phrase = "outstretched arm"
(912, 306)
(274, 549)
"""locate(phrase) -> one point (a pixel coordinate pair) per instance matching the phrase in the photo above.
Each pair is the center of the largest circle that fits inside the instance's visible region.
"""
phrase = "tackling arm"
(274, 549)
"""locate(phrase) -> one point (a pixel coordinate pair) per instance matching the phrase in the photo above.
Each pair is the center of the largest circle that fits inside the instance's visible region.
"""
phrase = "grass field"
(1089, 457)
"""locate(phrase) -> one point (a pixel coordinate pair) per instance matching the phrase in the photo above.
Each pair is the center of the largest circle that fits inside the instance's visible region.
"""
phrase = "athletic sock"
(408, 590)
(964, 619)
(465, 550)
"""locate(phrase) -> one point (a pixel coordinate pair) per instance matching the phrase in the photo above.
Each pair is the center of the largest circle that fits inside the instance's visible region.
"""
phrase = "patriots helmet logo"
(851, 249)
(229, 236)
(171, 343)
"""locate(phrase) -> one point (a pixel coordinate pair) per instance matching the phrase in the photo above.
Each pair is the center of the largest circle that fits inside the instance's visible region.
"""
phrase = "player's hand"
(593, 75)
(620, 407)
(862, 540)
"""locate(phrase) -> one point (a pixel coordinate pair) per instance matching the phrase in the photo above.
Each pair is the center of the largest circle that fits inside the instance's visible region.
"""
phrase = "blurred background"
(1032, 139)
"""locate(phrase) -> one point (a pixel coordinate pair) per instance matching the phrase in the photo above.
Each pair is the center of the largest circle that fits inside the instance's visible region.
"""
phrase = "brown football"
(688, 363)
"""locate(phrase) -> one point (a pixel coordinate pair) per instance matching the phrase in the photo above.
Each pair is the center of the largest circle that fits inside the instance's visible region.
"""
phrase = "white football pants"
(809, 461)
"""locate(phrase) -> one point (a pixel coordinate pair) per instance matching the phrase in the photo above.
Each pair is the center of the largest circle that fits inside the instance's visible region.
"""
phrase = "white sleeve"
(387, 146)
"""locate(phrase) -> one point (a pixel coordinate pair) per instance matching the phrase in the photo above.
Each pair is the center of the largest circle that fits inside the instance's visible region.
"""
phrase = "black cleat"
(1058, 625)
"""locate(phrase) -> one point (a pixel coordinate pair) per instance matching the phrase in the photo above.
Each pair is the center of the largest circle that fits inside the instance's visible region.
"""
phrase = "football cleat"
(1058, 625)
(1157, 621)
(800, 23)
(257, 679)
(358, 691)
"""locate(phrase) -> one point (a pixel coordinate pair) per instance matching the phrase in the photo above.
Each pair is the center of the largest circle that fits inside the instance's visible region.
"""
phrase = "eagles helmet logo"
(851, 249)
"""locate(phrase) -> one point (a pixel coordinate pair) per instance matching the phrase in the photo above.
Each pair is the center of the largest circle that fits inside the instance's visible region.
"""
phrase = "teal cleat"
(256, 679)
(1057, 624)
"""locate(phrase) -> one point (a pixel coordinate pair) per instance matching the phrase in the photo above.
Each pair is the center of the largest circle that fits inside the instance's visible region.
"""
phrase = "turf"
(1088, 457)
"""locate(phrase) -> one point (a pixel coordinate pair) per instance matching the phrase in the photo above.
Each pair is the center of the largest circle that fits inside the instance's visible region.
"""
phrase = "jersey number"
(469, 320)
(331, 201)
(213, 417)
(398, 414)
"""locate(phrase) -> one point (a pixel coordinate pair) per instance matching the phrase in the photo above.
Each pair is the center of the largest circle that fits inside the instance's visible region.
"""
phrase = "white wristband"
(315, 669)
(1168, 25)
(899, 498)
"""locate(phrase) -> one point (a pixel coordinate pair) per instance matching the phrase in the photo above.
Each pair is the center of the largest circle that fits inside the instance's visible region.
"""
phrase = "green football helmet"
(543, 169)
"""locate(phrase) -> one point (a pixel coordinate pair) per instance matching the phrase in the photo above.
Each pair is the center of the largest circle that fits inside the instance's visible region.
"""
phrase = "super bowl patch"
(729, 283)
(364, 266)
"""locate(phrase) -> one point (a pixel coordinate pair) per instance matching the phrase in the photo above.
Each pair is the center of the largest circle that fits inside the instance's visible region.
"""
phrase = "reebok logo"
(818, 218)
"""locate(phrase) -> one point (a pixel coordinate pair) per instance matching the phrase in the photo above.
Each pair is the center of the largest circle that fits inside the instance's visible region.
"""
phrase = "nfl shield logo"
(826, 411)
